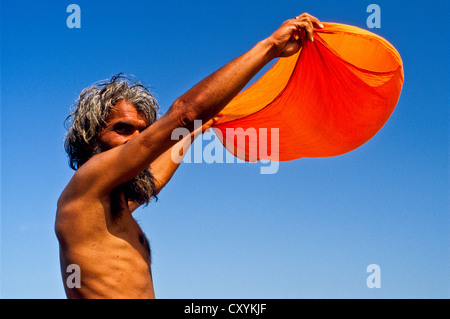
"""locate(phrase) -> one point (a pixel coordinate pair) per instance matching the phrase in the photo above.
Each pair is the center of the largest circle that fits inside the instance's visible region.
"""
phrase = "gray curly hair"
(92, 110)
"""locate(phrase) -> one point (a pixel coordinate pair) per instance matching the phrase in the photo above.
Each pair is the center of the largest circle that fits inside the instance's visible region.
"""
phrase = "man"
(122, 158)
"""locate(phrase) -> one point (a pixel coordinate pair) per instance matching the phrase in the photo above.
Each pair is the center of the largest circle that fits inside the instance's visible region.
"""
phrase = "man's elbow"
(185, 113)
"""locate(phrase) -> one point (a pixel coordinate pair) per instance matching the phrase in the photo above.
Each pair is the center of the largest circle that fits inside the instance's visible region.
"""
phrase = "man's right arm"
(109, 169)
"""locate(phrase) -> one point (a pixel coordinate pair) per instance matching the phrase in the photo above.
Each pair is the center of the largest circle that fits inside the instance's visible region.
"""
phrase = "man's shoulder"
(81, 189)
(80, 212)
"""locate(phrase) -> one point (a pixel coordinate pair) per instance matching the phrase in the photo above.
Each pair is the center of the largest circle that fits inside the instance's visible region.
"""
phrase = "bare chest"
(127, 229)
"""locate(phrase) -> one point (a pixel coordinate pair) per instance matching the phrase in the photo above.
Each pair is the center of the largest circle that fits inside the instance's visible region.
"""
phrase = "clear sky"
(225, 230)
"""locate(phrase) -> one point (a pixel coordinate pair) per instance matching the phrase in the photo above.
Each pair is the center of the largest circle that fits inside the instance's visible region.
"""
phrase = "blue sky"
(224, 230)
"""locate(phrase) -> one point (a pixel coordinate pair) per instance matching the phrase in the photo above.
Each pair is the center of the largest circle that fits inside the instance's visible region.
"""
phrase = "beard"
(140, 189)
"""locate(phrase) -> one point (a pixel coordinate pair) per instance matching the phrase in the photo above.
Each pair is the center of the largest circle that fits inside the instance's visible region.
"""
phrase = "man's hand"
(287, 40)
(205, 127)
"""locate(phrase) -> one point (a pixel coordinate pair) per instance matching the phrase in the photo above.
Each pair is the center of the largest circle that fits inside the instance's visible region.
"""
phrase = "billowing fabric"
(326, 100)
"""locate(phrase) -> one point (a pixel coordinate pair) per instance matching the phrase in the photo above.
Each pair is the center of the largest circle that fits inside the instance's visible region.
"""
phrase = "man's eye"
(124, 130)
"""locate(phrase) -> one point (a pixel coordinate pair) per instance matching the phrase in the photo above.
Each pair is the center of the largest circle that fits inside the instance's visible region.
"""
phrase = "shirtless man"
(122, 158)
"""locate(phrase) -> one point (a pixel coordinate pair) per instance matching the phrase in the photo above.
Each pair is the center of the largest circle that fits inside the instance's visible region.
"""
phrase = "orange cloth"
(326, 100)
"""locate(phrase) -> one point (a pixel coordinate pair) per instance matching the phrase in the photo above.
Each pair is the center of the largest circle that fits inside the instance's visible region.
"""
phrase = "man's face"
(124, 123)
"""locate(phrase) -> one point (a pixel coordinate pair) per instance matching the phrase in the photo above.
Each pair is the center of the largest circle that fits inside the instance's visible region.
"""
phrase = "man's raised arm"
(202, 102)
(211, 95)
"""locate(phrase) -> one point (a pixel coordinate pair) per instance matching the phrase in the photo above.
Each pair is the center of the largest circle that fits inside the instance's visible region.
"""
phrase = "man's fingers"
(216, 118)
(315, 21)
(307, 26)
(211, 122)
(311, 18)
(308, 22)
(309, 31)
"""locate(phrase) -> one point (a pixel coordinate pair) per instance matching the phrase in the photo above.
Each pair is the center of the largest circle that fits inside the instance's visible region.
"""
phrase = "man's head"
(107, 115)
